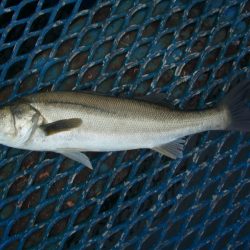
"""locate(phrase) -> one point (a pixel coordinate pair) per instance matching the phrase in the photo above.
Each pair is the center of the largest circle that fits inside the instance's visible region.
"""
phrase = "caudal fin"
(237, 103)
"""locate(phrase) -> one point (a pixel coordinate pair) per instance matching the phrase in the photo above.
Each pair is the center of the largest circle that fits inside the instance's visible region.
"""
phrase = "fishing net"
(194, 51)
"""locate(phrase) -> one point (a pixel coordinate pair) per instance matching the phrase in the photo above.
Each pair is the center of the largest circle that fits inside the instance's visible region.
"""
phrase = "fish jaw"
(7, 126)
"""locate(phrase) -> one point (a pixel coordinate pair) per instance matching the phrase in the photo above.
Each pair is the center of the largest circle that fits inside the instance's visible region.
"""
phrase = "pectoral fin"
(60, 126)
(172, 149)
(77, 156)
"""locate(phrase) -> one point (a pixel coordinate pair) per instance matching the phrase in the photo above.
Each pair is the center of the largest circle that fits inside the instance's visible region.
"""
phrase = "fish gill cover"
(194, 51)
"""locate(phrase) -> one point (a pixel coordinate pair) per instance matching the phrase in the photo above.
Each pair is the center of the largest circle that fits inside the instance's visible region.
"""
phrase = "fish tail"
(236, 104)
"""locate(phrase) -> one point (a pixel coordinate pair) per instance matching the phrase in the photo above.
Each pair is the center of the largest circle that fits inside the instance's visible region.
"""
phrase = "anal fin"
(77, 156)
(172, 149)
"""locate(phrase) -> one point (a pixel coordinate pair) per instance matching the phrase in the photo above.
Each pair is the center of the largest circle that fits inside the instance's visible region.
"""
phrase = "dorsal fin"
(157, 98)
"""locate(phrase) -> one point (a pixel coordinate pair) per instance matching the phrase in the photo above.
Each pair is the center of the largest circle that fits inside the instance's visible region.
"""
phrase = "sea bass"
(71, 123)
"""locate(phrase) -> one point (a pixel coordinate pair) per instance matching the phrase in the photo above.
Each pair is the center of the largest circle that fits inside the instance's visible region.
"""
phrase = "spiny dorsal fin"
(157, 98)
(61, 126)
(172, 149)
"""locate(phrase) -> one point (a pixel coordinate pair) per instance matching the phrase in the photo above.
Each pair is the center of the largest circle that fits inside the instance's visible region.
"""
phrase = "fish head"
(17, 123)
(7, 125)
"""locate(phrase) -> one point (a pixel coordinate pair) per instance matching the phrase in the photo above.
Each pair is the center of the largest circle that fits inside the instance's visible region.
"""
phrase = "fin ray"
(172, 149)
(76, 156)
(61, 126)
(157, 98)
(237, 104)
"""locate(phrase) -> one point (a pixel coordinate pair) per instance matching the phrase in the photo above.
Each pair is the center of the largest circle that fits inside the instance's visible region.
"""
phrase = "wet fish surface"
(71, 123)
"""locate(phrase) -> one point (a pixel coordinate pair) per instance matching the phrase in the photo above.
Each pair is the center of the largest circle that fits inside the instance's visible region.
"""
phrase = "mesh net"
(192, 50)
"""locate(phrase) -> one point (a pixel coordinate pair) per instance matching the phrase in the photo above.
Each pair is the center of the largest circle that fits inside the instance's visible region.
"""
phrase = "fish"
(73, 123)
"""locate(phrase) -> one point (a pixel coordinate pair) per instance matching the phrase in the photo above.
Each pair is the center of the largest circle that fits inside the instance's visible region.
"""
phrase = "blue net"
(192, 50)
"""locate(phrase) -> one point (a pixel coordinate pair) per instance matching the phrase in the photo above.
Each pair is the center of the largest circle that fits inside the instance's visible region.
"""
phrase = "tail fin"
(237, 104)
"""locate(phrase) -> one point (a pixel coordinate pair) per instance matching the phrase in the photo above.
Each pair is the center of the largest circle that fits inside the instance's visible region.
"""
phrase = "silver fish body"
(111, 124)
(70, 122)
